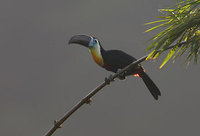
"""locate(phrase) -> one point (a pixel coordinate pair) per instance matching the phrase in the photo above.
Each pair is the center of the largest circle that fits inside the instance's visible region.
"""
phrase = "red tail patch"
(137, 75)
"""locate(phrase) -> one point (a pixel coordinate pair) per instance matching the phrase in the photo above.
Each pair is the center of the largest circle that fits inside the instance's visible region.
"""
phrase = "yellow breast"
(97, 57)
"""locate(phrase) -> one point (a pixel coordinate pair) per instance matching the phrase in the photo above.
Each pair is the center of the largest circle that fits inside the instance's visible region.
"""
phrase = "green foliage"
(181, 23)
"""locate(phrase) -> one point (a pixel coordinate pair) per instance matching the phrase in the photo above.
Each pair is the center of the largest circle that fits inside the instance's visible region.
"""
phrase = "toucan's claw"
(109, 79)
(121, 76)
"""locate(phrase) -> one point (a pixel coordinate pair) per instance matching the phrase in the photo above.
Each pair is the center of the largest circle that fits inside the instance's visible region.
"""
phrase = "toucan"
(115, 60)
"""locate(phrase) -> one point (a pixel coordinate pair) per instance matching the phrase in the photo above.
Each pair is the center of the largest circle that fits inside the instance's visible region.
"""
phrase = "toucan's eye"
(95, 41)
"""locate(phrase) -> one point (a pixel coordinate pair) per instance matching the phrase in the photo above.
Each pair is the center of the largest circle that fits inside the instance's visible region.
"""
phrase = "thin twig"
(86, 99)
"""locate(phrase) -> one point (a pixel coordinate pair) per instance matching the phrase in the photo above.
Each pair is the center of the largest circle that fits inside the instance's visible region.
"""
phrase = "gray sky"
(42, 77)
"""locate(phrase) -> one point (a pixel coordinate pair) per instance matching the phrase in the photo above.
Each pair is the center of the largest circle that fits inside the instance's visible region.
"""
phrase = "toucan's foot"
(109, 79)
(121, 76)
(89, 101)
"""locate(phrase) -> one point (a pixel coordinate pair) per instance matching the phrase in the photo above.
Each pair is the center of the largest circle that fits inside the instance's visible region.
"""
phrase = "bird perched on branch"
(115, 60)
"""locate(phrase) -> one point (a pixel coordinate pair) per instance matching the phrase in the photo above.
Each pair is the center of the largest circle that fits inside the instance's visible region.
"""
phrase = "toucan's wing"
(116, 59)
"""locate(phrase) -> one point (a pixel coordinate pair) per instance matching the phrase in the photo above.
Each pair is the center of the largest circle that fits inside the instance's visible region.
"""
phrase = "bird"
(114, 61)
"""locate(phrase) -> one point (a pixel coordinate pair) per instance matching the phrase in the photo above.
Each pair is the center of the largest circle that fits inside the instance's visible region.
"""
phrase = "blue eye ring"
(95, 40)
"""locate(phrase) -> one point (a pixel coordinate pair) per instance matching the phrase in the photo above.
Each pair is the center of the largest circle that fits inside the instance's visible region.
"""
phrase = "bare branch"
(87, 98)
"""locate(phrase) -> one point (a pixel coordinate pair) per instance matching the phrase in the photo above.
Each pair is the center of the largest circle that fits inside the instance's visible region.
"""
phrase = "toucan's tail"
(150, 85)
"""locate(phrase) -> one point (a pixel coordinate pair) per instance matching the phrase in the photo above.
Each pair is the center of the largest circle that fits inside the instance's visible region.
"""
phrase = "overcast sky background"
(42, 77)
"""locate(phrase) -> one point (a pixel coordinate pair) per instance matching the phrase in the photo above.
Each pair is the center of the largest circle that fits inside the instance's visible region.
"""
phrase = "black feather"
(150, 85)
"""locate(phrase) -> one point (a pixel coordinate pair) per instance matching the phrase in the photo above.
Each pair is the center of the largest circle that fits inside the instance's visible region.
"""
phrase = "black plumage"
(116, 59)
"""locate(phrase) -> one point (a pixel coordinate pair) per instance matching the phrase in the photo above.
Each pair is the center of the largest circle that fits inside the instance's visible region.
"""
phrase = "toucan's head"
(92, 43)
(84, 40)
